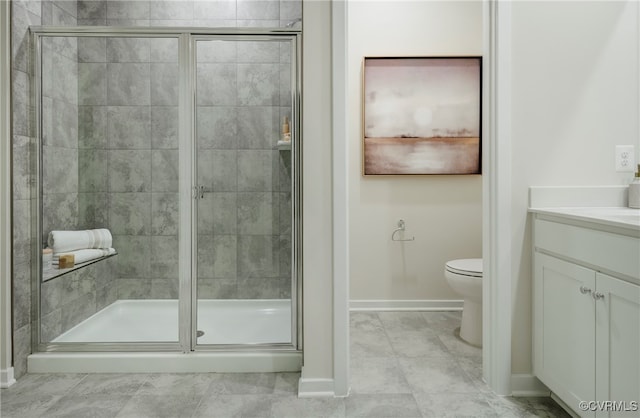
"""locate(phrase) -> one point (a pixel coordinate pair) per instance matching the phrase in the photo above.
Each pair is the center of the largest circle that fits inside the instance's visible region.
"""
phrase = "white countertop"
(620, 217)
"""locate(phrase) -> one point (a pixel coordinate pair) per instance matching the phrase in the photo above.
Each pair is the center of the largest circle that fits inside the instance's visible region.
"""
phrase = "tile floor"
(402, 365)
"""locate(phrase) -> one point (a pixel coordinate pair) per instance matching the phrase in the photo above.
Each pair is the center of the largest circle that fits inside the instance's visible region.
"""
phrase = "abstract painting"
(422, 115)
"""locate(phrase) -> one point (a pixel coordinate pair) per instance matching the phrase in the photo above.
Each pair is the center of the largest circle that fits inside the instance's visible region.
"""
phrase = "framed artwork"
(422, 115)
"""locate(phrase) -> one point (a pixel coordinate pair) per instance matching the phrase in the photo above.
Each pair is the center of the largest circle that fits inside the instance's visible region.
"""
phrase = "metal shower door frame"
(187, 181)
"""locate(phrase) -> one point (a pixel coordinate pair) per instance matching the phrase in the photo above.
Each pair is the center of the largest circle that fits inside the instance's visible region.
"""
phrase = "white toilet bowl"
(465, 277)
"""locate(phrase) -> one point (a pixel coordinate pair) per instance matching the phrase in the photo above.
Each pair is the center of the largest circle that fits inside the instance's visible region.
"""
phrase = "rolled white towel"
(82, 256)
(65, 241)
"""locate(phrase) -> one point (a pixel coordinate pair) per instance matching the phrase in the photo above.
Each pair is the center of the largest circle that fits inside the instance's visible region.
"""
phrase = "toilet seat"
(471, 267)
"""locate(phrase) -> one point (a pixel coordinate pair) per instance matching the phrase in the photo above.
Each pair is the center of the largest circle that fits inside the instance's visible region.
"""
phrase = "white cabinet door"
(564, 329)
(617, 345)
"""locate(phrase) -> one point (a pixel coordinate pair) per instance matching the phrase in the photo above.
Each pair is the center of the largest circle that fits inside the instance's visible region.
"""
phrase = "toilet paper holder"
(401, 227)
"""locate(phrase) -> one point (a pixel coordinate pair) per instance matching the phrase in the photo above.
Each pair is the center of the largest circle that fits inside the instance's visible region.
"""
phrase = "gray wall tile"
(164, 288)
(217, 256)
(284, 199)
(130, 214)
(217, 126)
(20, 103)
(130, 171)
(60, 170)
(259, 51)
(290, 9)
(217, 51)
(164, 127)
(217, 289)
(215, 9)
(217, 169)
(262, 288)
(134, 288)
(220, 213)
(59, 212)
(258, 127)
(92, 49)
(21, 218)
(92, 9)
(164, 257)
(134, 257)
(255, 170)
(93, 210)
(216, 85)
(172, 10)
(165, 213)
(92, 83)
(65, 73)
(75, 312)
(129, 127)
(258, 9)
(258, 213)
(164, 50)
(164, 169)
(128, 50)
(128, 84)
(21, 18)
(64, 125)
(128, 9)
(128, 22)
(164, 84)
(92, 127)
(21, 167)
(258, 256)
(21, 293)
(69, 6)
(258, 84)
(92, 167)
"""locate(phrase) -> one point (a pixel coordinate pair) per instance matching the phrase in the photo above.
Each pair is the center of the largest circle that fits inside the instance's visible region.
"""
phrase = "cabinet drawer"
(597, 249)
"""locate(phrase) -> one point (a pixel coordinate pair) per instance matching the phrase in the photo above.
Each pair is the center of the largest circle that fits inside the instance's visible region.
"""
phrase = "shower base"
(244, 321)
(222, 321)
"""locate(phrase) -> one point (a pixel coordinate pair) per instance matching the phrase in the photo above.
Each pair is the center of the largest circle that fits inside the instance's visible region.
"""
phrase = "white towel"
(82, 256)
(65, 241)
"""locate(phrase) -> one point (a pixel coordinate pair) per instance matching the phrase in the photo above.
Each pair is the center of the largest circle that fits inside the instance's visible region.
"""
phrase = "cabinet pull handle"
(584, 290)
(597, 295)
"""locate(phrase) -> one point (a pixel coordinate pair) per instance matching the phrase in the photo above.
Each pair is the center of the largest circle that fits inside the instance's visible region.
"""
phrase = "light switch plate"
(625, 158)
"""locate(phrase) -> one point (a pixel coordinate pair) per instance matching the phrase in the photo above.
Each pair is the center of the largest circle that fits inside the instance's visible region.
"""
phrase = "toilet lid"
(467, 267)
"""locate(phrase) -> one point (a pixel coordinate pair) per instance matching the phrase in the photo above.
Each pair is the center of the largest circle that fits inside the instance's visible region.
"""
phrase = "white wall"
(6, 369)
(317, 203)
(574, 97)
(444, 213)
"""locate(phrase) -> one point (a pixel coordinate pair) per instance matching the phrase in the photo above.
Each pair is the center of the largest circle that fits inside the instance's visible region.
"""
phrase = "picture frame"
(422, 115)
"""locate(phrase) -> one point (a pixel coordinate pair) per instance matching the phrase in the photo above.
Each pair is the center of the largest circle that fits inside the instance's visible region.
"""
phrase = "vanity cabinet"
(586, 316)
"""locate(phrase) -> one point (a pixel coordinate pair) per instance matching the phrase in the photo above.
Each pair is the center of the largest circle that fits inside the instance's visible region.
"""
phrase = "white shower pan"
(237, 321)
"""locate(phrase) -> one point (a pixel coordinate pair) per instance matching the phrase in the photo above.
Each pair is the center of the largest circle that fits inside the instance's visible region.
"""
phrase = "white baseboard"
(405, 305)
(6, 378)
(527, 385)
(315, 388)
(564, 406)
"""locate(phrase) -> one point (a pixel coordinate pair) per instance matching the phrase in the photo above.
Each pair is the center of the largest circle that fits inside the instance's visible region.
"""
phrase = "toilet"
(465, 277)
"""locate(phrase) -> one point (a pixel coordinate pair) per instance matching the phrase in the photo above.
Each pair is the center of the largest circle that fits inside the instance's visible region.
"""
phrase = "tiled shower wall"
(94, 207)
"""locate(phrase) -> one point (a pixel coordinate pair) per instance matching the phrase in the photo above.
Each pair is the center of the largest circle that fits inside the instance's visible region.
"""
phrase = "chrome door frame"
(187, 256)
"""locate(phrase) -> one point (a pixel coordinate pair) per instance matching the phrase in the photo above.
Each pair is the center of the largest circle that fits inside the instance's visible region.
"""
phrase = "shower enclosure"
(172, 140)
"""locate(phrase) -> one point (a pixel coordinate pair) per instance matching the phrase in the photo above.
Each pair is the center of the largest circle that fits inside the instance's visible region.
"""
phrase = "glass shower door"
(108, 122)
(244, 101)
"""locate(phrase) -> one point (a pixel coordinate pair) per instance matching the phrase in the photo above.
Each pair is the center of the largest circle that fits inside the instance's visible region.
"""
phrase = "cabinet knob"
(584, 290)
(597, 295)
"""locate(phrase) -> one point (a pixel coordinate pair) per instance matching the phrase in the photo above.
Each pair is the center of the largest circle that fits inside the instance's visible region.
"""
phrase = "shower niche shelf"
(54, 272)
(283, 145)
